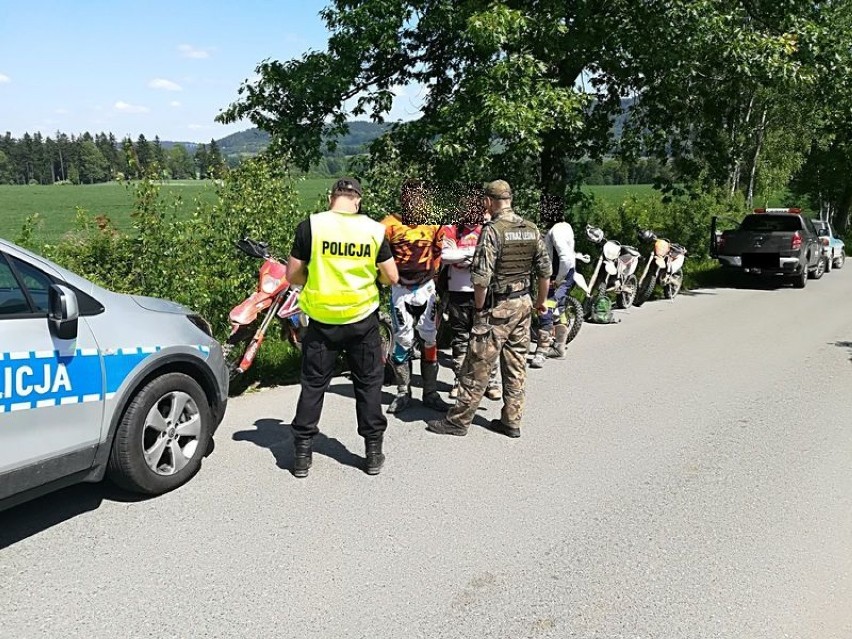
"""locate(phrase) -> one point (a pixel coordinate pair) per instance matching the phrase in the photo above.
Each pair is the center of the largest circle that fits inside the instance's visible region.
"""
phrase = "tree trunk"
(756, 159)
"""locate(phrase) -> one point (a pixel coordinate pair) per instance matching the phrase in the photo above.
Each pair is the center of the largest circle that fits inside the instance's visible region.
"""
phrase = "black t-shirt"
(302, 245)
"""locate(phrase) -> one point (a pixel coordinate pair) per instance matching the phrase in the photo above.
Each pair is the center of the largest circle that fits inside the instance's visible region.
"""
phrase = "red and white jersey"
(457, 252)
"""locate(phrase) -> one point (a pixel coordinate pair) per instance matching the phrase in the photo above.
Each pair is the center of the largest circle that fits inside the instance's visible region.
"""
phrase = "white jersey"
(559, 243)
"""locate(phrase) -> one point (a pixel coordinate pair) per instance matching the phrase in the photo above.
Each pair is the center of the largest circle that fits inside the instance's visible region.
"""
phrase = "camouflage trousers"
(507, 341)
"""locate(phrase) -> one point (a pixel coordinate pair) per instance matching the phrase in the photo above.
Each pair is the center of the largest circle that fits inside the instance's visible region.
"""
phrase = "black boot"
(302, 457)
(375, 457)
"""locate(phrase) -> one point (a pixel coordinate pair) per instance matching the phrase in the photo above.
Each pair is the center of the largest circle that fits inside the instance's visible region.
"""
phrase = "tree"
(6, 174)
(93, 165)
(180, 163)
(215, 162)
(158, 155)
(144, 153)
(201, 161)
(521, 89)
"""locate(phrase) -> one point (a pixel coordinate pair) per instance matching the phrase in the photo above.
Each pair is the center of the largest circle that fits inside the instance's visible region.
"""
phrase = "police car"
(94, 383)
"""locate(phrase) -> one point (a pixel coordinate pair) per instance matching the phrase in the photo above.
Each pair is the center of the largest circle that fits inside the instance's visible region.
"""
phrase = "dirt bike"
(614, 272)
(664, 267)
(274, 299)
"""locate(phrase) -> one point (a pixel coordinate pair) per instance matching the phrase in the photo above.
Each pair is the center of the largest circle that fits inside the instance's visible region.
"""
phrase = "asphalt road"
(685, 473)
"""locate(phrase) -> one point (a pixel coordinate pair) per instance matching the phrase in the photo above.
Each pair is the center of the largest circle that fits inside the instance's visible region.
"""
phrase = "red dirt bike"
(274, 298)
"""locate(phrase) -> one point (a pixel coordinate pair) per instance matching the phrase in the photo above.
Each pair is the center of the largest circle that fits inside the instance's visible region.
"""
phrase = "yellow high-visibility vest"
(341, 286)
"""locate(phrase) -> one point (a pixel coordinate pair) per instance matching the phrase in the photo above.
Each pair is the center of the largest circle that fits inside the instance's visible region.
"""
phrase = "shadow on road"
(277, 437)
(36, 516)
(846, 345)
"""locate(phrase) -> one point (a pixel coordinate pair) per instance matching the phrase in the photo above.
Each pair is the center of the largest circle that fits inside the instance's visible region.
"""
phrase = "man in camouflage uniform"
(509, 253)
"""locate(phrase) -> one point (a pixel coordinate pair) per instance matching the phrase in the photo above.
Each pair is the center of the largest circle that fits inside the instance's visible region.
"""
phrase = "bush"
(192, 260)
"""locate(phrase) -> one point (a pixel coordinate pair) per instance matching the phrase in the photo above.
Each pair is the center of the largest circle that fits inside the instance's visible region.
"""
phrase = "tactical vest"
(518, 243)
(341, 286)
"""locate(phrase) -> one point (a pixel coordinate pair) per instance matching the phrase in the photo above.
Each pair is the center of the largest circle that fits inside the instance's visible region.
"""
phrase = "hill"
(253, 141)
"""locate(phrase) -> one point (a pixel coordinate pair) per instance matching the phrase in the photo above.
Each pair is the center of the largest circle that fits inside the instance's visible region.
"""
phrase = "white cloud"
(4, 79)
(189, 51)
(124, 107)
(174, 103)
(165, 85)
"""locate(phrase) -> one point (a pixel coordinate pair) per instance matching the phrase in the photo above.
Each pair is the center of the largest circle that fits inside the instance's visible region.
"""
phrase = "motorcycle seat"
(677, 248)
(630, 250)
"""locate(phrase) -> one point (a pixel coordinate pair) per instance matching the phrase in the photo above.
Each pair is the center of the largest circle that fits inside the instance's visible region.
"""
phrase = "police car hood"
(160, 306)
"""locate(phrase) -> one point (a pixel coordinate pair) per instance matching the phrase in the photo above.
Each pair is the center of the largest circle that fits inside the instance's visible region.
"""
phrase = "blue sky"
(149, 66)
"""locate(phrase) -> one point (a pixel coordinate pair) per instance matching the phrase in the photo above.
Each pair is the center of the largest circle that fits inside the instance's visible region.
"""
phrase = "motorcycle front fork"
(259, 335)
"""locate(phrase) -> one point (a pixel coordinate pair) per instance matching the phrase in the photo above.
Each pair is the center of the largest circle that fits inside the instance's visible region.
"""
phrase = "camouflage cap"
(498, 190)
(347, 184)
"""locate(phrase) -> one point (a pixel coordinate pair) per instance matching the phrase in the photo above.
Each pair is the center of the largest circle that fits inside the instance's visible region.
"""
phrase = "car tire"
(162, 437)
(829, 264)
(800, 280)
(840, 261)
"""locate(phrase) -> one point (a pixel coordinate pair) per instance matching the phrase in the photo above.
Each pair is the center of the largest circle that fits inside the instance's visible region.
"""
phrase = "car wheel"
(840, 261)
(829, 264)
(800, 280)
(162, 437)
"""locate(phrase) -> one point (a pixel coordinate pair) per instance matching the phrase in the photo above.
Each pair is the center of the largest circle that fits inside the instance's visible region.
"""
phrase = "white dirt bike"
(664, 267)
(615, 271)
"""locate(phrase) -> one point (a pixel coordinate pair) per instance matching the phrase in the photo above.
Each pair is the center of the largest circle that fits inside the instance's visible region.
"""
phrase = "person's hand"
(542, 308)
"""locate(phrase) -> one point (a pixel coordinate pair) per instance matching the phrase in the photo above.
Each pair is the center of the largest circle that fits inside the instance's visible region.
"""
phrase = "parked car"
(94, 382)
(769, 243)
(833, 247)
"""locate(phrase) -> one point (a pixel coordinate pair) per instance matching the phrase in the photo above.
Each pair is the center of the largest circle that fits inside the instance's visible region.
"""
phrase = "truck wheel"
(819, 269)
(162, 436)
(840, 261)
(801, 280)
(829, 264)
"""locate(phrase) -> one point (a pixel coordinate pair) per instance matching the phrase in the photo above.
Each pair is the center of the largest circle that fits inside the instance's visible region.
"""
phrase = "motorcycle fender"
(246, 312)
(610, 268)
(677, 263)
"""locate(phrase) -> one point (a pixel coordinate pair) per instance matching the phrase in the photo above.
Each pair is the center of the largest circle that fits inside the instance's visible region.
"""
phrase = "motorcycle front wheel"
(573, 317)
(671, 289)
(646, 289)
(234, 349)
(625, 297)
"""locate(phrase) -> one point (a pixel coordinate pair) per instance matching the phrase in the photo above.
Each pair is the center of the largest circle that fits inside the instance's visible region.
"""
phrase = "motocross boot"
(375, 456)
(429, 370)
(557, 350)
(302, 457)
(403, 388)
(541, 349)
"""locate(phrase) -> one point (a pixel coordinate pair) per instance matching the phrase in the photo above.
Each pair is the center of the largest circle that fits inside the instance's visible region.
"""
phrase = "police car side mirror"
(63, 312)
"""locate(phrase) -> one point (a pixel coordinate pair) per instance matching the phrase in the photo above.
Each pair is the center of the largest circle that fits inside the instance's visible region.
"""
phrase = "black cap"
(347, 184)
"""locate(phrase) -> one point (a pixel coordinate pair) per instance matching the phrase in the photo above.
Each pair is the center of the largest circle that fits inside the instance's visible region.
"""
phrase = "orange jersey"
(416, 249)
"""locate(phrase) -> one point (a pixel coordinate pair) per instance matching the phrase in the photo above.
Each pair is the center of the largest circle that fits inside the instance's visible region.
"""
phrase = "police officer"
(337, 256)
(510, 251)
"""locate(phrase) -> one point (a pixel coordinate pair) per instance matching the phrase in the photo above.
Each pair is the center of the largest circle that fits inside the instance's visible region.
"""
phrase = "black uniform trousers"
(363, 347)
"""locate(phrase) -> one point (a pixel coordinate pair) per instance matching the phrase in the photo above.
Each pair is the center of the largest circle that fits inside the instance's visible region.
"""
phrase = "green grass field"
(57, 205)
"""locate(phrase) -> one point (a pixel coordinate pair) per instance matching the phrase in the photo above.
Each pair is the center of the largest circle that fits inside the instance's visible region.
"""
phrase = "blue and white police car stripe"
(42, 379)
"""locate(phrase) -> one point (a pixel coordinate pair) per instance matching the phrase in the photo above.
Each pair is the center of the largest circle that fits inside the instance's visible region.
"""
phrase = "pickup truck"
(833, 247)
(773, 242)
